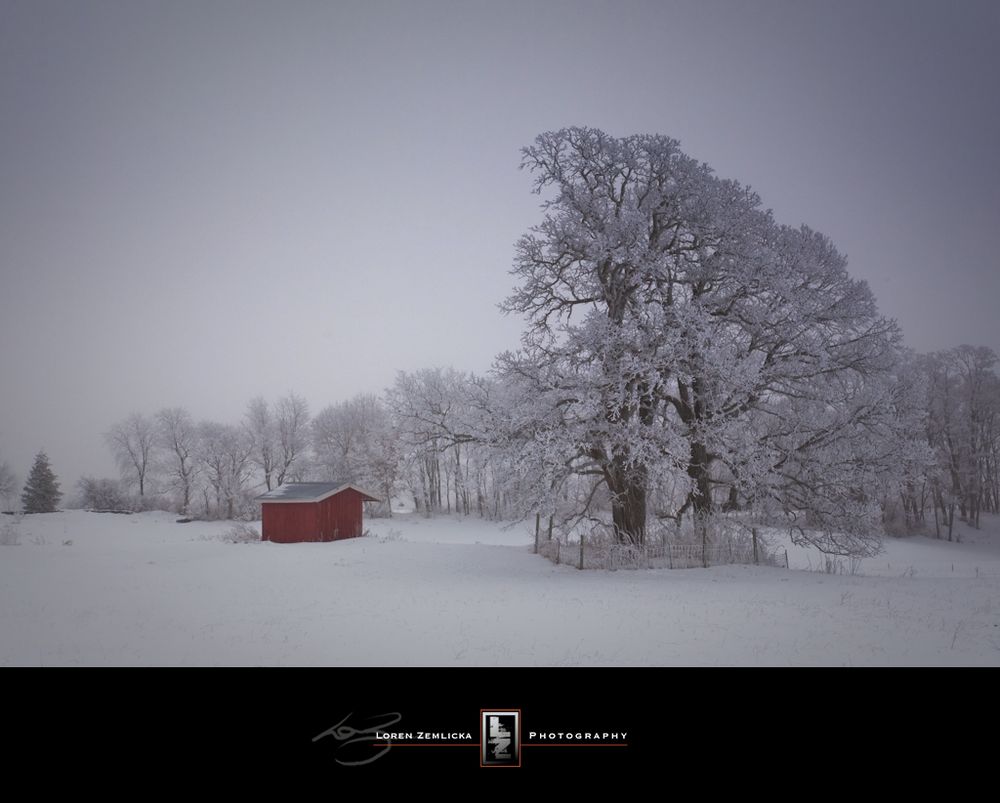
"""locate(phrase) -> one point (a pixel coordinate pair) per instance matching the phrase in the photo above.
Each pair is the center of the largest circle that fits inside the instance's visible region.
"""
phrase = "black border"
(717, 724)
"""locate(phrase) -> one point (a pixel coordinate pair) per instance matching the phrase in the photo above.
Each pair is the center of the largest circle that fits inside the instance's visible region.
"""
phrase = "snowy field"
(100, 589)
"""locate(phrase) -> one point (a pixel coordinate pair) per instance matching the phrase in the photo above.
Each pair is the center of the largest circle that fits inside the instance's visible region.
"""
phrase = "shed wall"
(285, 523)
(340, 516)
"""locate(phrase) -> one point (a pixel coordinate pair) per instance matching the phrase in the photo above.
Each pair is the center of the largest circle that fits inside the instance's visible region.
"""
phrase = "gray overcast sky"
(200, 202)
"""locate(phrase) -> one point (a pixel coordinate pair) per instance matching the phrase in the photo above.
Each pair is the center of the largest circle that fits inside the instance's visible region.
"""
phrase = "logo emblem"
(500, 738)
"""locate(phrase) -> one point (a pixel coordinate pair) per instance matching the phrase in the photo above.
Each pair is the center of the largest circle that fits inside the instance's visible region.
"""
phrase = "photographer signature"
(348, 735)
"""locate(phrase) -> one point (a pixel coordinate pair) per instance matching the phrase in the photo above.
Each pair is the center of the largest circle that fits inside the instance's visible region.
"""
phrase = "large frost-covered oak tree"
(673, 327)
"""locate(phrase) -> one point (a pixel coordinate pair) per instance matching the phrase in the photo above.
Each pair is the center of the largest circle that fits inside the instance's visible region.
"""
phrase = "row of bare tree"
(407, 442)
(455, 442)
(170, 460)
(961, 397)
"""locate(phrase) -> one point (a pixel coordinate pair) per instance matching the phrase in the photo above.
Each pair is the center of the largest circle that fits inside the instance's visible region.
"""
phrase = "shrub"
(102, 494)
(9, 534)
(241, 533)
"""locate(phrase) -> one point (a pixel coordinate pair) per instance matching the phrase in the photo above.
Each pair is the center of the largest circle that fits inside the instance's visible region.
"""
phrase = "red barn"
(312, 511)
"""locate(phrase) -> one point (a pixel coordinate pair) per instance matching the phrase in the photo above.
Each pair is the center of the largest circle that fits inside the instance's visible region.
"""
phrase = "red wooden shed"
(312, 511)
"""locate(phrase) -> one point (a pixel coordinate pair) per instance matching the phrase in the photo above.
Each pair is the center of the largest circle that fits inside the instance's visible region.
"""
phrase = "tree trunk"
(387, 493)
(701, 496)
(733, 502)
(628, 503)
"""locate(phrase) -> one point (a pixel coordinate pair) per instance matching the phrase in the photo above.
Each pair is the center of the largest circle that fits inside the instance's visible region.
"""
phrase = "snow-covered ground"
(100, 589)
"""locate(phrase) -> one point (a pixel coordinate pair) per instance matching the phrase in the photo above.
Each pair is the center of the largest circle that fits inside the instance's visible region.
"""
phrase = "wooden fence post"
(582, 539)
(550, 527)
(557, 553)
(786, 558)
(755, 560)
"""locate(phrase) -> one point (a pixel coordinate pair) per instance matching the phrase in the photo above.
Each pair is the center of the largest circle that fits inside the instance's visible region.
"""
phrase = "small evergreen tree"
(41, 492)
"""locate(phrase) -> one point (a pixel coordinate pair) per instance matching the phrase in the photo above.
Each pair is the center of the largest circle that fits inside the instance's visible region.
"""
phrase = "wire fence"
(597, 553)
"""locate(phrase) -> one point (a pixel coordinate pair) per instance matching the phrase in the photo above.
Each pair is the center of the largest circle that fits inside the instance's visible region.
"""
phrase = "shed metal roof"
(310, 492)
